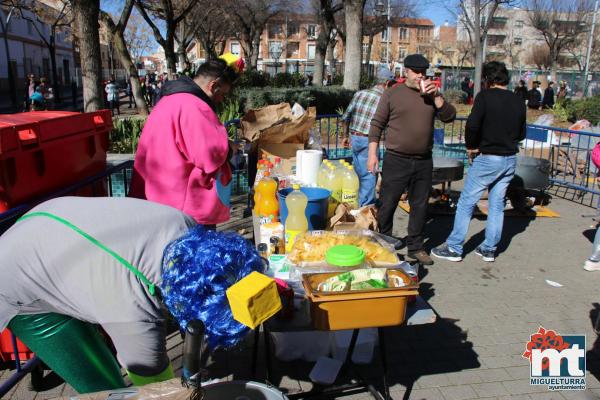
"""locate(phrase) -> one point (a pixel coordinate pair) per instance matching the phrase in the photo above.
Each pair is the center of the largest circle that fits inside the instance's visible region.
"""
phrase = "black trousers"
(398, 174)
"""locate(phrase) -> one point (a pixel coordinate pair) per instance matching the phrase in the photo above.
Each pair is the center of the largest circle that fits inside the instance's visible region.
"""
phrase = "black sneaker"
(444, 252)
(487, 255)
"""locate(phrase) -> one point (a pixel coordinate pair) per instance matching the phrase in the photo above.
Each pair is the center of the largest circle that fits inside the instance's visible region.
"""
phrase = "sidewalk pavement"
(487, 312)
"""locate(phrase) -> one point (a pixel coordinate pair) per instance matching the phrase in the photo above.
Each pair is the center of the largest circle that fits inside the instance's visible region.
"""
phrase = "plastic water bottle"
(350, 186)
(296, 221)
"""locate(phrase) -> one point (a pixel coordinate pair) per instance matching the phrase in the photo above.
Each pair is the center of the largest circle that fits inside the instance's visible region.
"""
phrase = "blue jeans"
(487, 172)
(360, 155)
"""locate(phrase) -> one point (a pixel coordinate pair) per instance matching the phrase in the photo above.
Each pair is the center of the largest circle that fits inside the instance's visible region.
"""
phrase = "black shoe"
(487, 255)
(444, 252)
(421, 256)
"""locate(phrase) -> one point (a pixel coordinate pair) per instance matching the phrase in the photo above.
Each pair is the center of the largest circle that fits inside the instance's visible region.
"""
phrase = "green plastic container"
(345, 256)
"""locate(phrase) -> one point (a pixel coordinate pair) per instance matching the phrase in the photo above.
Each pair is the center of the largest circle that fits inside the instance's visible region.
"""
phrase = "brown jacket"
(408, 117)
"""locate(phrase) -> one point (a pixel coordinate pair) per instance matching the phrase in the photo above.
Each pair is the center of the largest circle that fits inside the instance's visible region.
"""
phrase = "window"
(311, 31)
(385, 34)
(275, 49)
(423, 34)
(292, 50)
(29, 27)
(292, 28)
(383, 53)
(234, 48)
(275, 30)
(425, 51)
(365, 49)
(402, 53)
(311, 52)
(518, 41)
(518, 23)
(403, 34)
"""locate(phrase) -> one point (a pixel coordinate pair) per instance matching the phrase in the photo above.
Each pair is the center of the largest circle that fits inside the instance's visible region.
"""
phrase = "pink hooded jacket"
(182, 152)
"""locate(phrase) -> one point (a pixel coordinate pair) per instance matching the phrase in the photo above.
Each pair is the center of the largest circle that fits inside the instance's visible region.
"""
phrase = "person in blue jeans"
(493, 131)
(357, 122)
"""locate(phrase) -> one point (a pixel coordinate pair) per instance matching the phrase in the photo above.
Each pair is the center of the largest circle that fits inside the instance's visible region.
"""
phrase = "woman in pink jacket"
(182, 157)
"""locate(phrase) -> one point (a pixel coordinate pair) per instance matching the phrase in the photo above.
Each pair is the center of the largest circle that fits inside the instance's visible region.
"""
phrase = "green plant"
(125, 134)
(229, 110)
(455, 96)
(325, 99)
(340, 110)
(367, 81)
(588, 108)
(563, 110)
(252, 78)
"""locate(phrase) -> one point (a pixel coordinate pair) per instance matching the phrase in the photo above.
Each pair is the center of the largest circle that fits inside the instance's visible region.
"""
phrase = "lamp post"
(275, 54)
(589, 50)
(381, 9)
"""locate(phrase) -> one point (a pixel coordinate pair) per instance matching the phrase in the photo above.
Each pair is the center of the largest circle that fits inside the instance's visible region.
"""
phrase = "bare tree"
(138, 36)
(171, 13)
(325, 11)
(184, 35)
(57, 19)
(375, 22)
(249, 18)
(540, 57)
(561, 23)
(116, 36)
(212, 30)
(85, 19)
(353, 16)
(476, 16)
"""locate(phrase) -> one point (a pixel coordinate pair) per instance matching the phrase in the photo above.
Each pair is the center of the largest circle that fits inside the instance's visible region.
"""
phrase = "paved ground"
(486, 314)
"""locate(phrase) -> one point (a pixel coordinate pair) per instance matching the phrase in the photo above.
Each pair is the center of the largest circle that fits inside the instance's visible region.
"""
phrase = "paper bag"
(276, 124)
(255, 121)
(167, 390)
(347, 219)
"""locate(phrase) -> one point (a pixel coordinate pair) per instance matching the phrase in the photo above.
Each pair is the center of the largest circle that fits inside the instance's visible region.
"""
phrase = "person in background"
(534, 97)
(187, 71)
(548, 100)
(129, 91)
(37, 100)
(407, 113)
(561, 95)
(493, 131)
(157, 92)
(357, 122)
(30, 86)
(521, 90)
(183, 152)
(112, 96)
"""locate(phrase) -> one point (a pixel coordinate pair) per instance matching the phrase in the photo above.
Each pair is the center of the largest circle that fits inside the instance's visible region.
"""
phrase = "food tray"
(358, 308)
(322, 266)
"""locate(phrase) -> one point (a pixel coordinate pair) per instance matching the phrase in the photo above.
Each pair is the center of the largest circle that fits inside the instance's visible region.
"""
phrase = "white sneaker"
(590, 265)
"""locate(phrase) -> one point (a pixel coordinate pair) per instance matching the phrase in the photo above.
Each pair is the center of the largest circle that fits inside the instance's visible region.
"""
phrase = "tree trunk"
(170, 55)
(368, 55)
(56, 89)
(478, 46)
(181, 56)
(85, 18)
(320, 54)
(125, 58)
(12, 88)
(331, 58)
(353, 16)
(254, 47)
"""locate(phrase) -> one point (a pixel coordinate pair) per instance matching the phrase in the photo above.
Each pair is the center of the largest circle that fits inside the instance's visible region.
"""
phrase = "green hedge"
(327, 99)
(573, 110)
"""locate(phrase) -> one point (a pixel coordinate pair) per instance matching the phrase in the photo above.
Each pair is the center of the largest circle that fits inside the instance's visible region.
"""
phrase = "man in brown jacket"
(407, 112)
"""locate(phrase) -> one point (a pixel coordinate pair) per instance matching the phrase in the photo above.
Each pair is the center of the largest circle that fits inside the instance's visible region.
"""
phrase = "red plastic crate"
(44, 151)
(6, 348)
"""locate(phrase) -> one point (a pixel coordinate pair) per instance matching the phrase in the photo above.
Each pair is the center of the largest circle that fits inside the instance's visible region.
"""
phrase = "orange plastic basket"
(360, 308)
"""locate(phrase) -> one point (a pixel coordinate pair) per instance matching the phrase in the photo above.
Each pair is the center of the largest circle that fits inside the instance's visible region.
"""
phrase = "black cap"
(416, 61)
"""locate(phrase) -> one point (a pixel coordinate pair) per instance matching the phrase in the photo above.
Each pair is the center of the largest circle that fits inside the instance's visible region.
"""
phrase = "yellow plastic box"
(254, 299)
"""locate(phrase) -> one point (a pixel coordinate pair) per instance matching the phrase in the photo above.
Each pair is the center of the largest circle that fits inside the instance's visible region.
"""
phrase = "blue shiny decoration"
(198, 268)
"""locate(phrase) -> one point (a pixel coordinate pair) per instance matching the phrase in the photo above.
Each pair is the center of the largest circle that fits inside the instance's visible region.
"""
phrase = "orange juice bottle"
(296, 221)
(267, 206)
